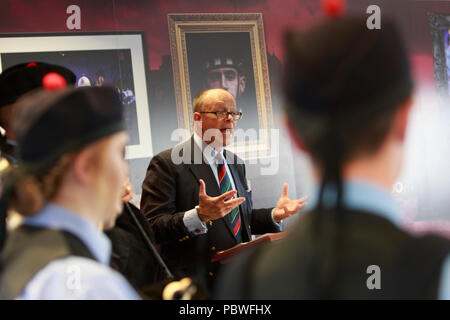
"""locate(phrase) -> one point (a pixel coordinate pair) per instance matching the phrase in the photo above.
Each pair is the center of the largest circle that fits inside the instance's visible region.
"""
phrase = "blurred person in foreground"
(131, 254)
(16, 81)
(68, 185)
(348, 93)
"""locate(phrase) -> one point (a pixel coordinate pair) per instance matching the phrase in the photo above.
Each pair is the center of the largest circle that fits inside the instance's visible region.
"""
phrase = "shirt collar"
(57, 217)
(209, 153)
(363, 196)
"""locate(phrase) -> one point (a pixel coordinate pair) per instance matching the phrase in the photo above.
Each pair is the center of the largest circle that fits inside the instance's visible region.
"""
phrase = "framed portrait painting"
(97, 59)
(225, 51)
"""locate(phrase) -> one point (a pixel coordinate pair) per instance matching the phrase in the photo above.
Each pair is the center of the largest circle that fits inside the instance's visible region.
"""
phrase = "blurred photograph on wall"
(113, 59)
(93, 68)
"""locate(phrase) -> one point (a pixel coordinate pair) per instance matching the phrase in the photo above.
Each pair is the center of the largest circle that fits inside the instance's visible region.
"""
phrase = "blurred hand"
(287, 207)
(213, 208)
(128, 192)
(179, 290)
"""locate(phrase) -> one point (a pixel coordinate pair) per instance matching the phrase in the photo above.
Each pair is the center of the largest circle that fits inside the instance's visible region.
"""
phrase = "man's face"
(221, 101)
(227, 79)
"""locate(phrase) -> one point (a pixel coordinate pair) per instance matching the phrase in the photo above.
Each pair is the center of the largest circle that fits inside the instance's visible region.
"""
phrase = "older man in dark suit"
(196, 196)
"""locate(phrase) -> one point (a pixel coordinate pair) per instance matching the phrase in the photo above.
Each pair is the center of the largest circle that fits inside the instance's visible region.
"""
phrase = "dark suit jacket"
(319, 263)
(171, 189)
(131, 256)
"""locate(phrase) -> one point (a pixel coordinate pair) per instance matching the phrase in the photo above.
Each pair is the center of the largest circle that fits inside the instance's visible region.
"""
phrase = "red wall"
(151, 16)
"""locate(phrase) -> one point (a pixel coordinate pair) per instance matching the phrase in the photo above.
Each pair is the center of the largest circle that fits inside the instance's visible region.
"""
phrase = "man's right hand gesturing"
(213, 208)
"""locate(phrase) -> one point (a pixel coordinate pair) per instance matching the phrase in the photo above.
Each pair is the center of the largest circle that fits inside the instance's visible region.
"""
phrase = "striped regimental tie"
(225, 186)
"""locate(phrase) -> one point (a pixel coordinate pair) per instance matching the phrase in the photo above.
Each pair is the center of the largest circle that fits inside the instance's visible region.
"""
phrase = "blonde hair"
(32, 192)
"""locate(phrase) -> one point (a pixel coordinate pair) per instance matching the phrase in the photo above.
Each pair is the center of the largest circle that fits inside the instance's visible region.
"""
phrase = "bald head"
(206, 122)
(209, 99)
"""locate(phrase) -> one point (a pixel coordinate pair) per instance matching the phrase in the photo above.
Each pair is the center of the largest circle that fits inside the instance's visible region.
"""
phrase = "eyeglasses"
(224, 114)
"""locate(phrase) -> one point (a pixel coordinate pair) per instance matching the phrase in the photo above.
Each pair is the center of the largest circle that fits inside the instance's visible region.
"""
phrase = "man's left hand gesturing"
(287, 207)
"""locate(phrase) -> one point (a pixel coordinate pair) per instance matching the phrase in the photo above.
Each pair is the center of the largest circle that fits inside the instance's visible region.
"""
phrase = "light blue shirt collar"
(363, 196)
(57, 217)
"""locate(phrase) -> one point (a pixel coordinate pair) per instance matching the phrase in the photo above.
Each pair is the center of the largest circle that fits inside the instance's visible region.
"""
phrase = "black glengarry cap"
(22, 78)
(50, 124)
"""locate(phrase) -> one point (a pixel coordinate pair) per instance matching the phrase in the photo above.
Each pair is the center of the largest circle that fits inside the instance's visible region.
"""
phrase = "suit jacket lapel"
(203, 171)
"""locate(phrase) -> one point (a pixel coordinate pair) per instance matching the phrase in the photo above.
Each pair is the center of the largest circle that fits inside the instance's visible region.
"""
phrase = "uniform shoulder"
(78, 278)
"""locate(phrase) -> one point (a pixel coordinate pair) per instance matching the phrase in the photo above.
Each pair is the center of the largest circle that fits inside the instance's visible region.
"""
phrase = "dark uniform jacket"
(28, 250)
(321, 263)
(171, 189)
(131, 255)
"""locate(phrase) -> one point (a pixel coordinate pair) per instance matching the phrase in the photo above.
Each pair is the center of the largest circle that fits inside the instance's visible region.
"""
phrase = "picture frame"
(440, 35)
(96, 58)
(239, 39)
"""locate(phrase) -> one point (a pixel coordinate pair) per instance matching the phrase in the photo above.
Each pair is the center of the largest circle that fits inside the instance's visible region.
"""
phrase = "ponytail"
(32, 192)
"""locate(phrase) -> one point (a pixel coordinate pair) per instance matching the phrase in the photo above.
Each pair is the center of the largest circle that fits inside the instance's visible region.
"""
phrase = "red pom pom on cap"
(53, 81)
(31, 64)
(333, 8)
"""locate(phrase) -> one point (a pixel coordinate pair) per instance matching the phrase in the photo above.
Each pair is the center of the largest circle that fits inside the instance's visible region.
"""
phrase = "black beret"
(340, 67)
(22, 78)
(50, 124)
